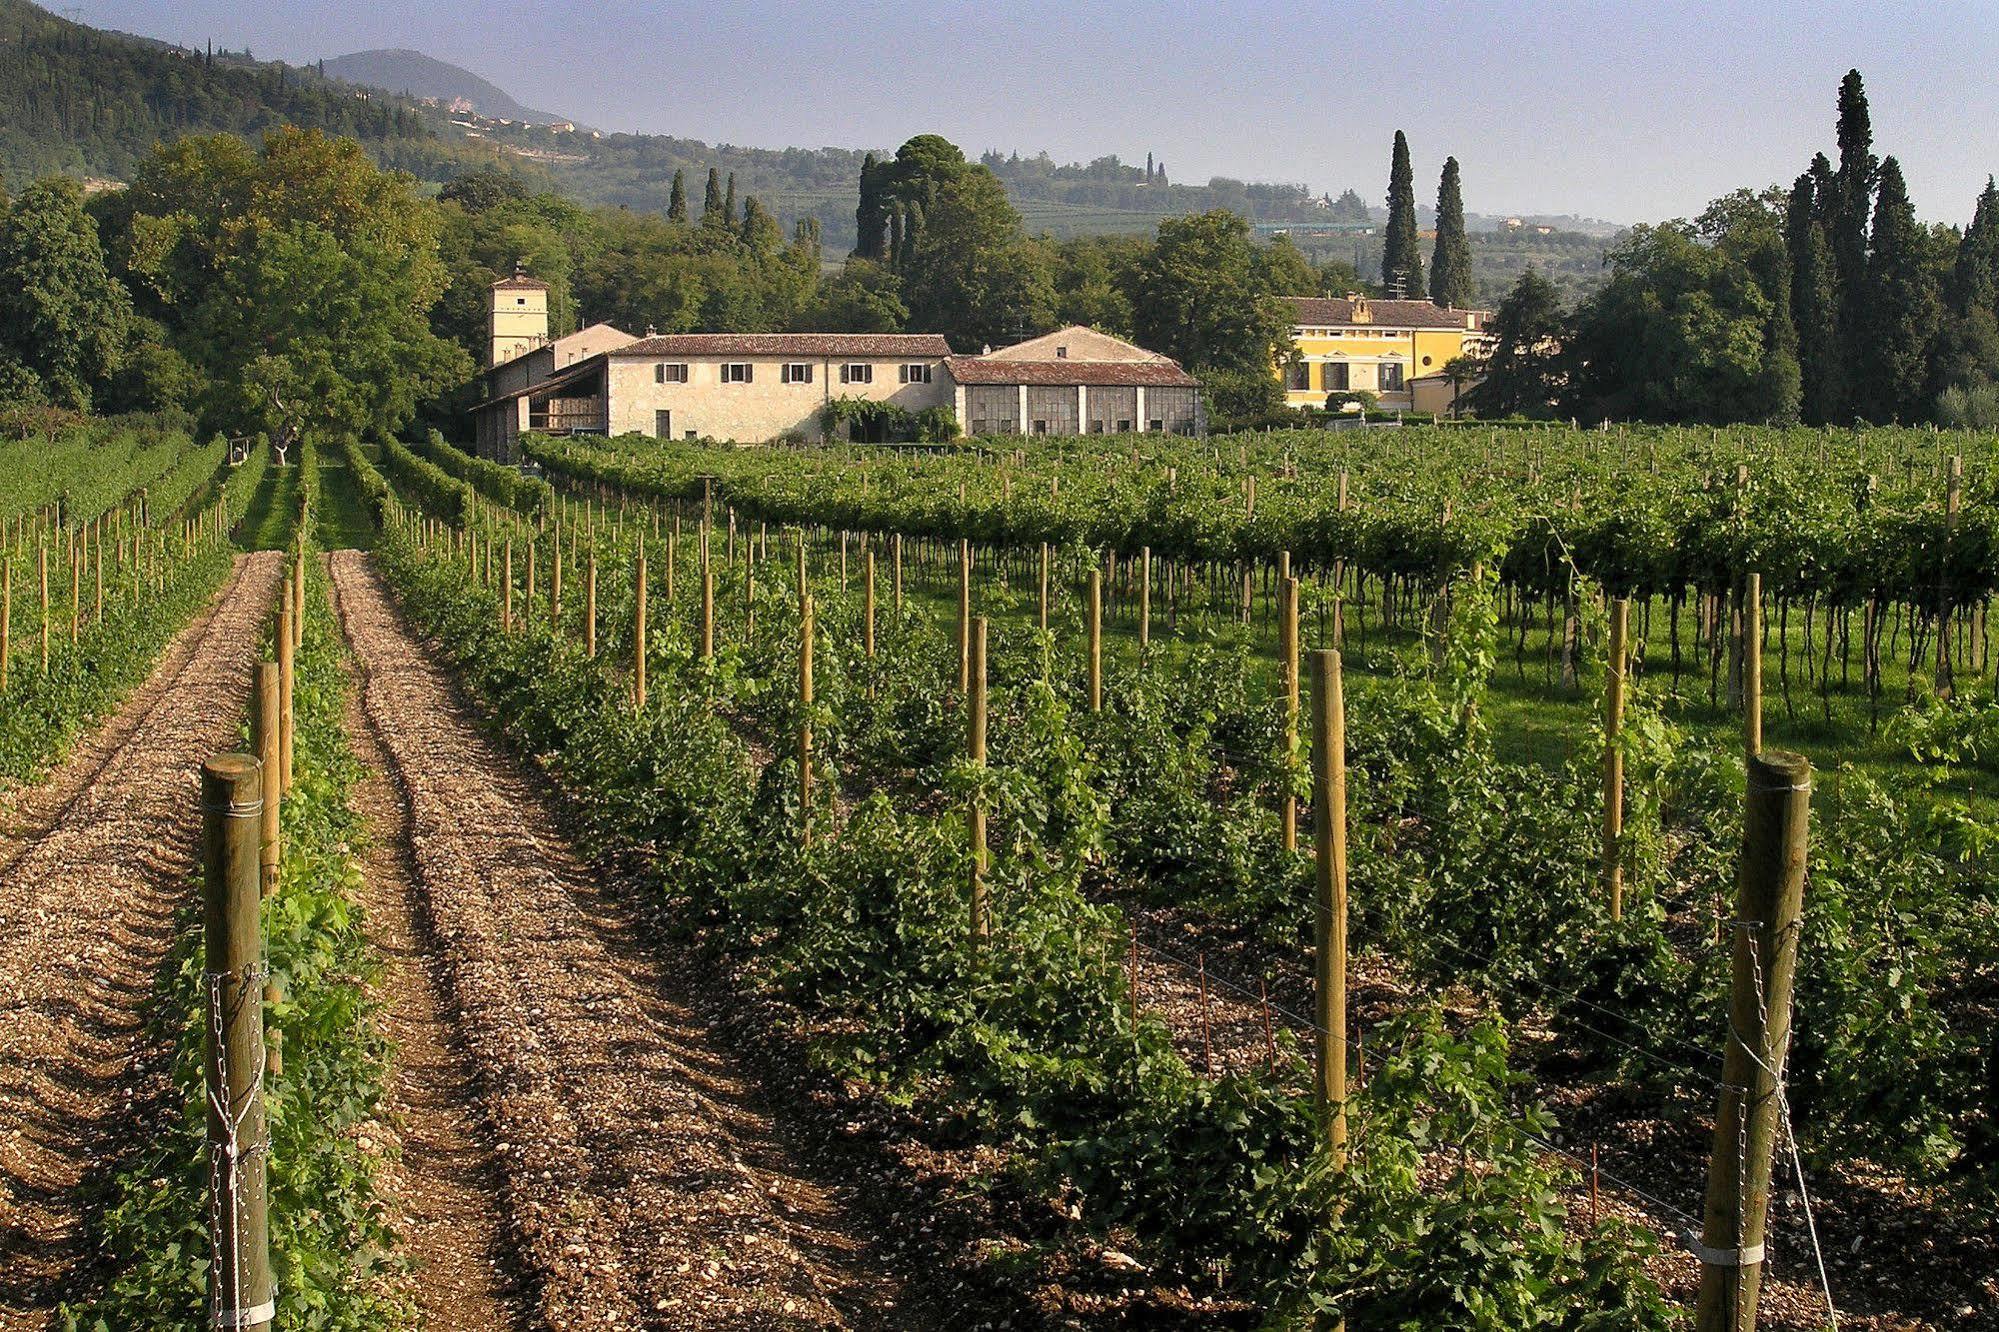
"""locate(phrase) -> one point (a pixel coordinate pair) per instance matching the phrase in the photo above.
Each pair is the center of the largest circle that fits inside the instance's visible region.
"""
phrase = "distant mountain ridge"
(412, 72)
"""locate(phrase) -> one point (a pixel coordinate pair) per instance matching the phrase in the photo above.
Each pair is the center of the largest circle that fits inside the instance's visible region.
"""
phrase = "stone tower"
(516, 317)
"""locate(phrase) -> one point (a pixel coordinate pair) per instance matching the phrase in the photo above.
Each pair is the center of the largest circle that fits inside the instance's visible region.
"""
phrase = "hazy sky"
(1627, 111)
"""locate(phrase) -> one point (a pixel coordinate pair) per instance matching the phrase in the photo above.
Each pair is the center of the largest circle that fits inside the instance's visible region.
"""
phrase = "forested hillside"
(79, 100)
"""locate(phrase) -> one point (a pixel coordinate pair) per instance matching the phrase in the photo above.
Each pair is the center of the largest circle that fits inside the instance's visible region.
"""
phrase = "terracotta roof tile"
(519, 282)
(929, 346)
(1337, 311)
(1108, 374)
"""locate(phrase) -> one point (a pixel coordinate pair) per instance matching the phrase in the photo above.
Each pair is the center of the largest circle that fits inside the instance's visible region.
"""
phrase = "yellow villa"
(1396, 350)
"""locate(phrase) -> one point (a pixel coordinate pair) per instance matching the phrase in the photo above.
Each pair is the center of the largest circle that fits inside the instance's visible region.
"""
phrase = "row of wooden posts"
(1770, 883)
(242, 851)
(86, 556)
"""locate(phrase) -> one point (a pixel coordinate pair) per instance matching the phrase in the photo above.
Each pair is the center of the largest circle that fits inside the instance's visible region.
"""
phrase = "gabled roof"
(919, 346)
(1338, 311)
(1077, 342)
(1161, 373)
(520, 282)
(574, 374)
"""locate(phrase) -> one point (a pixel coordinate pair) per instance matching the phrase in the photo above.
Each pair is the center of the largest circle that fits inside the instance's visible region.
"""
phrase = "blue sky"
(1626, 111)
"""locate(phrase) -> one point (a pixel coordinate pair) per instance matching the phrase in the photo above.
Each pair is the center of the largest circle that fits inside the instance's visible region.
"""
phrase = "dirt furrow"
(642, 1185)
(86, 915)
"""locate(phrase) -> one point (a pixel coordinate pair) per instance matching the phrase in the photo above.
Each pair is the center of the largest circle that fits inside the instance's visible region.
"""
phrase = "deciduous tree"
(63, 317)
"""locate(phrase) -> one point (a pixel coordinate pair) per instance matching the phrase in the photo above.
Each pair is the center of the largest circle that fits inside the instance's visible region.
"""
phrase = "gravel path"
(638, 1182)
(89, 883)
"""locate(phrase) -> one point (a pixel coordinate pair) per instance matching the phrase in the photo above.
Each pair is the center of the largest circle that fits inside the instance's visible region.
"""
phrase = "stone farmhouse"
(757, 387)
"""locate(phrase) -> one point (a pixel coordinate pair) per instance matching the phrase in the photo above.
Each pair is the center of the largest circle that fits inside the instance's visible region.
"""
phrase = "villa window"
(1335, 377)
(796, 372)
(1298, 376)
(857, 372)
(669, 373)
(1391, 377)
(738, 372)
(916, 373)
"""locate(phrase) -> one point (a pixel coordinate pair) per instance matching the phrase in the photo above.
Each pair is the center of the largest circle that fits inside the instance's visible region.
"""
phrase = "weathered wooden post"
(805, 633)
(975, 812)
(964, 617)
(868, 605)
(241, 1291)
(287, 682)
(6, 616)
(639, 629)
(1770, 892)
(267, 736)
(42, 571)
(1613, 759)
(1144, 599)
(532, 587)
(507, 588)
(1044, 587)
(1287, 651)
(1752, 665)
(1096, 640)
(895, 571)
(555, 584)
(707, 600)
(1952, 505)
(590, 607)
(298, 597)
(1329, 800)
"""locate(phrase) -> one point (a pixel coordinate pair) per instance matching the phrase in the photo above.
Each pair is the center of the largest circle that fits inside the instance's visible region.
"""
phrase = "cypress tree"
(1975, 276)
(676, 204)
(1401, 255)
(871, 218)
(711, 201)
(1902, 307)
(729, 202)
(895, 238)
(1814, 301)
(1450, 269)
(1853, 192)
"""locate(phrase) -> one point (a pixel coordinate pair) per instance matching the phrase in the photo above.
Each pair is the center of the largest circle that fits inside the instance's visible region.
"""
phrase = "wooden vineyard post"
(1044, 587)
(749, 589)
(287, 679)
(805, 631)
(895, 571)
(267, 736)
(1144, 599)
(6, 615)
(241, 1291)
(1770, 892)
(964, 617)
(298, 597)
(1096, 640)
(507, 588)
(639, 629)
(1613, 759)
(707, 600)
(1329, 800)
(42, 571)
(868, 605)
(975, 812)
(1752, 665)
(1953, 505)
(1287, 650)
(590, 607)
(532, 587)
(555, 584)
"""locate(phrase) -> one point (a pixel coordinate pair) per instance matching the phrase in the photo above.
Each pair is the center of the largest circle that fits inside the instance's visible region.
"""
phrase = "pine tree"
(1854, 187)
(1814, 299)
(711, 201)
(1450, 270)
(729, 202)
(1902, 307)
(676, 204)
(871, 218)
(1401, 255)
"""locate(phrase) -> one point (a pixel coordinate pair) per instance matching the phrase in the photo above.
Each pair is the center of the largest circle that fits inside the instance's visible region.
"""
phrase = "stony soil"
(635, 1180)
(94, 865)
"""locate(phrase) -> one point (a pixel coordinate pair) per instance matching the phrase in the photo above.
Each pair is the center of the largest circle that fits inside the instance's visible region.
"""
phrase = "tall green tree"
(1402, 251)
(1814, 298)
(1201, 297)
(1451, 284)
(729, 202)
(977, 279)
(1902, 310)
(676, 203)
(863, 297)
(759, 231)
(1975, 271)
(1854, 187)
(298, 277)
(1522, 372)
(711, 201)
(65, 317)
(871, 216)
